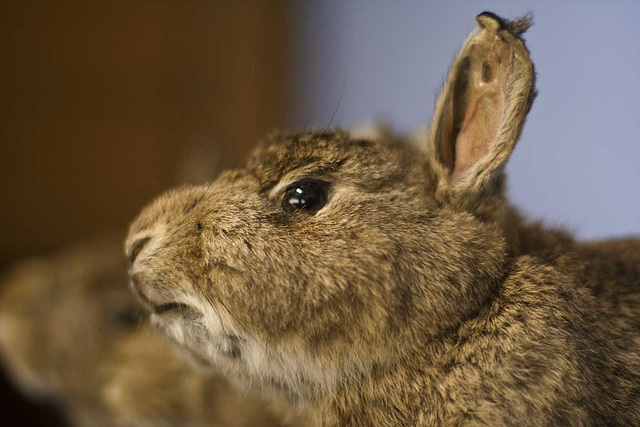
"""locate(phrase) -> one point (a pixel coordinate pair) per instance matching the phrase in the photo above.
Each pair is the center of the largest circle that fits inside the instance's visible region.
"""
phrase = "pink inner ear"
(485, 105)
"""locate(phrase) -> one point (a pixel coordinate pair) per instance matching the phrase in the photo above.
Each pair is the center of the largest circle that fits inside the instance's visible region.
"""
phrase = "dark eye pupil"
(307, 196)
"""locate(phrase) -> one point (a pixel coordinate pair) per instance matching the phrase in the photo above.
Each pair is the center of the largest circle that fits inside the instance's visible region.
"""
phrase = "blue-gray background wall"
(577, 164)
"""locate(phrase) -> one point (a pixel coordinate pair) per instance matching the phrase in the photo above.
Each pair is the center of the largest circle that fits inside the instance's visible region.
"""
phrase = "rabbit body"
(373, 283)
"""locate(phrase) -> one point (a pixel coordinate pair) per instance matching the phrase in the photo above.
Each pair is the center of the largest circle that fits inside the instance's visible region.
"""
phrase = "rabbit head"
(327, 254)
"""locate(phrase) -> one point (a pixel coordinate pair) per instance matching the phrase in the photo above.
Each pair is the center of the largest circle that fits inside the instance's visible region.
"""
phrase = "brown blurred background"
(106, 104)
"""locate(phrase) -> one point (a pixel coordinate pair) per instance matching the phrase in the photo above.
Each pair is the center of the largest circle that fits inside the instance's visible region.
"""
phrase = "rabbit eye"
(307, 196)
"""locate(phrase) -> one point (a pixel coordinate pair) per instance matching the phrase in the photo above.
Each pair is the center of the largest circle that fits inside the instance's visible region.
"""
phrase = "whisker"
(337, 106)
(246, 393)
(215, 309)
(199, 199)
(243, 116)
(244, 328)
(306, 127)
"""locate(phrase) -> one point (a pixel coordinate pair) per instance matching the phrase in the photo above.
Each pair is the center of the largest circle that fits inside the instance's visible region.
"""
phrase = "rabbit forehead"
(315, 153)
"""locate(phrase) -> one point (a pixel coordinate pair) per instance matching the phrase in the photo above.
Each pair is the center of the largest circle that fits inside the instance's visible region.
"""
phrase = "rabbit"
(370, 282)
(72, 333)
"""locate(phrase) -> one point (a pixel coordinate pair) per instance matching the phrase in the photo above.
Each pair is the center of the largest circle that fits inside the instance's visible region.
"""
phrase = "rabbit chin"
(213, 340)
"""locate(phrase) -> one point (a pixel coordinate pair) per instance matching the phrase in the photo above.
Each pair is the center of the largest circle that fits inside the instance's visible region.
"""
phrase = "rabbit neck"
(514, 354)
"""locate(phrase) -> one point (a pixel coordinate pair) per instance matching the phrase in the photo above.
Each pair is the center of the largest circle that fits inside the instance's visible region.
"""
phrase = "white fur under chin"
(217, 341)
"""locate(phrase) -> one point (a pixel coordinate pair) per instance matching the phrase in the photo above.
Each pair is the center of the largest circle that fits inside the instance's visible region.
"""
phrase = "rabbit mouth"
(212, 338)
(233, 347)
(172, 307)
(160, 308)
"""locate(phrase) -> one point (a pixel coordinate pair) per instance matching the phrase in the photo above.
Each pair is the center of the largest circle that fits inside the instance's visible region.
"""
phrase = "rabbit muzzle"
(220, 268)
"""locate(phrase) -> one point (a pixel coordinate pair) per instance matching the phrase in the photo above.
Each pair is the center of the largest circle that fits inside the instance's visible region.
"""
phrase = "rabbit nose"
(143, 290)
(137, 247)
(136, 281)
(156, 301)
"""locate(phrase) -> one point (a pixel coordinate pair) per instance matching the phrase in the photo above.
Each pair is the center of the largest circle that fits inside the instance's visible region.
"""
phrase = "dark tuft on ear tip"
(520, 25)
(491, 21)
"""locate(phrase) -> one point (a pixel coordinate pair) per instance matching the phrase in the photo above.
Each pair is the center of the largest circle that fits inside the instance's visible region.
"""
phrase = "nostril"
(136, 285)
(137, 248)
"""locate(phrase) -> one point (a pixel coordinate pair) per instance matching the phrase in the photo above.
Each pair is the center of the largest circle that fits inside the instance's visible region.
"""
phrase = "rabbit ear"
(482, 107)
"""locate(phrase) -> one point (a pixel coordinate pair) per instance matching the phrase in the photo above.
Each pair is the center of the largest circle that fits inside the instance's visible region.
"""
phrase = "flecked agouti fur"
(403, 289)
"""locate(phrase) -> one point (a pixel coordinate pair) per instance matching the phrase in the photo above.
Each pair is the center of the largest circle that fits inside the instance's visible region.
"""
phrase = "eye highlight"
(308, 196)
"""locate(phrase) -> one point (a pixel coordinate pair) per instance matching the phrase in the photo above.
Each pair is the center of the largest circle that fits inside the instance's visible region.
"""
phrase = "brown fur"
(416, 296)
(71, 332)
